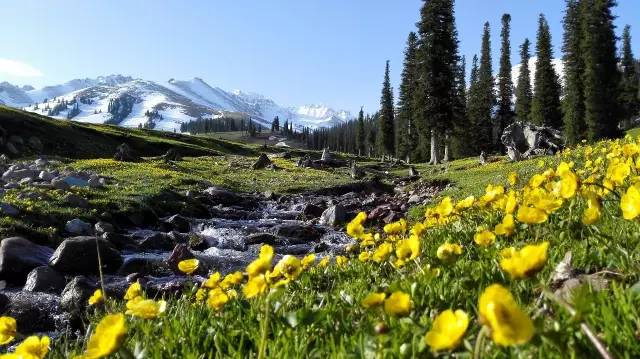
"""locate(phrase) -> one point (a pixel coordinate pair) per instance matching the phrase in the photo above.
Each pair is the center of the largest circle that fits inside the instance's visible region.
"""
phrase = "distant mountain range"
(130, 102)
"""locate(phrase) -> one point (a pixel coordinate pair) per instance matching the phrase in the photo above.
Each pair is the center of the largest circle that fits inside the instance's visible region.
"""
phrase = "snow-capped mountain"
(132, 102)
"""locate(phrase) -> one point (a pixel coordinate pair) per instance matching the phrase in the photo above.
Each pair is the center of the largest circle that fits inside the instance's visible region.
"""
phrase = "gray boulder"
(59, 183)
(15, 174)
(125, 154)
(262, 162)
(8, 210)
(18, 256)
(76, 201)
(79, 255)
(34, 311)
(103, 227)
(524, 140)
(77, 226)
(45, 279)
(75, 296)
(333, 216)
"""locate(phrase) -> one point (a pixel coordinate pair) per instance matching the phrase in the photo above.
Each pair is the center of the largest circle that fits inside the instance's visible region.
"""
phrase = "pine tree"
(460, 137)
(601, 76)
(629, 91)
(386, 135)
(482, 97)
(545, 107)
(360, 136)
(524, 93)
(438, 60)
(573, 100)
(406, 132)
(505, 114)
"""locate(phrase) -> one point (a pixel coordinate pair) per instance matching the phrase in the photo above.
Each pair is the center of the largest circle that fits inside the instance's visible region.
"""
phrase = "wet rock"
(18, 256)
(263, 238)
(76, 201)
(78, 227)
(34, 311)
(311, 210)
(523, 140)
(125, 154)
(180, 253)
(166, 286)
(158, 241)
(79, 256)
(40, 162)
(333, 216)
(119, 241)
(46, 176)
(45, 279)
(59, 183)
(392, 217)
(294, 249)
(8, 210)
(16, 174)
(222, 196)
(413, 172)
(96, 182)
(75, 295)
(262, 162)
(177, 223)
(144, 265)
(102, 227)
(304, 232)
(413, 199)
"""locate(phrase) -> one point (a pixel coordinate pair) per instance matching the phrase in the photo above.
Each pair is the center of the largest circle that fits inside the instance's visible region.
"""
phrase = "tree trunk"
(434, 148)
(446, 148)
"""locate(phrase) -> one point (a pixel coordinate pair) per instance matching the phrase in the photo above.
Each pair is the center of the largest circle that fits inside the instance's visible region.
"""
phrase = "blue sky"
(294, 51)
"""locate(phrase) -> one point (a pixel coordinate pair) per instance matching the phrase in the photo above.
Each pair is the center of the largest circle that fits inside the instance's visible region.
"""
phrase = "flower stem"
(477, 350)
(265, 329)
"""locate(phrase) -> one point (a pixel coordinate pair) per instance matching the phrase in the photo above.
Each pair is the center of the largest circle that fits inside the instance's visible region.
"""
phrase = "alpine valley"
(132, 102)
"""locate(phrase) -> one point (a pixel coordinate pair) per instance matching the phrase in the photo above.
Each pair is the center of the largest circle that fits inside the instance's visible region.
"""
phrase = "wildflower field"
(474, 276)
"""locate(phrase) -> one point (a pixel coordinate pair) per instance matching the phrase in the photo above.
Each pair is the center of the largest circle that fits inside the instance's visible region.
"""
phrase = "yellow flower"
(513, 179)
(508, 323)
(398, 304)
(510, 202)
(492, 193)
(134, 290)
(592, 213)
(373, 300)
(342, 261)
(364, 256)
(618, 172)
(382, 252)
(465, 203)
(398, 227)
(145, 308)
(630, 203)
(217, 299)
(531, 215)
(525, 262)
(407, 249)
(536, 180)
(447, 330)
(96, 298)
(7, 330)
(201, 294)
(231, 279)
(445, 207)
(324, 262)
(213, 281)
(259, 266)
(188, 266)
(418, 229)
(355, 228)
(255, 286)
(289, 266)
(448, 252)
(107, 338)
(568, 184)
(507, 227)
(308, 260)
(484, 237)
(31, 348)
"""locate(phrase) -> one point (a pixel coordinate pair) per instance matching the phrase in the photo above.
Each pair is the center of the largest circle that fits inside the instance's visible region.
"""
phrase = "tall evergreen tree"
(524, 93)
(460, 133)
(545, 107)
(601, 76)
(386, 138)
(573, 100)
(406, 133)
(360, 136)
(438, 60)
(482, 97)
(629, 92)
(505, 114)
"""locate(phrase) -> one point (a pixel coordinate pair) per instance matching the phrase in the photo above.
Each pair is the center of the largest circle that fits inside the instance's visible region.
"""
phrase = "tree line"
(438, 116)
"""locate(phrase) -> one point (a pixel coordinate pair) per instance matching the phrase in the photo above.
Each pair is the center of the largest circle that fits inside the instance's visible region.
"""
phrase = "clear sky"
(294, 51)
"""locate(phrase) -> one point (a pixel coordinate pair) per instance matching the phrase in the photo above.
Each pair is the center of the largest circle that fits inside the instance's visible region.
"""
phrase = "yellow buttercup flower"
(513, 179)
(630, 203)
(525, 262)
(593, 211)
(484, 237)
(255, 286)
(213, 281)
(465, 203)
(618, 172)
(508, 323)
(355, 228)
(201, 294)
(231, 279)
(107, 337)
(134, 290)
(397, 227)
(96, 298)
(445, 207)
(373, 300)
(364, 256)
(261, 264)
(8, 330)
(32, 348)
(510, 203)
(447, 330)
(308, 260)
(407, 249)
(289, 267)
(342, 261)
(145, 308)
(217, 299)
(382, 252)
(448, 252)
(324, 262)
(531, 215)
(506, 227)
(568, 184)
(398, 304)
(188, 266)
(418, 229)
